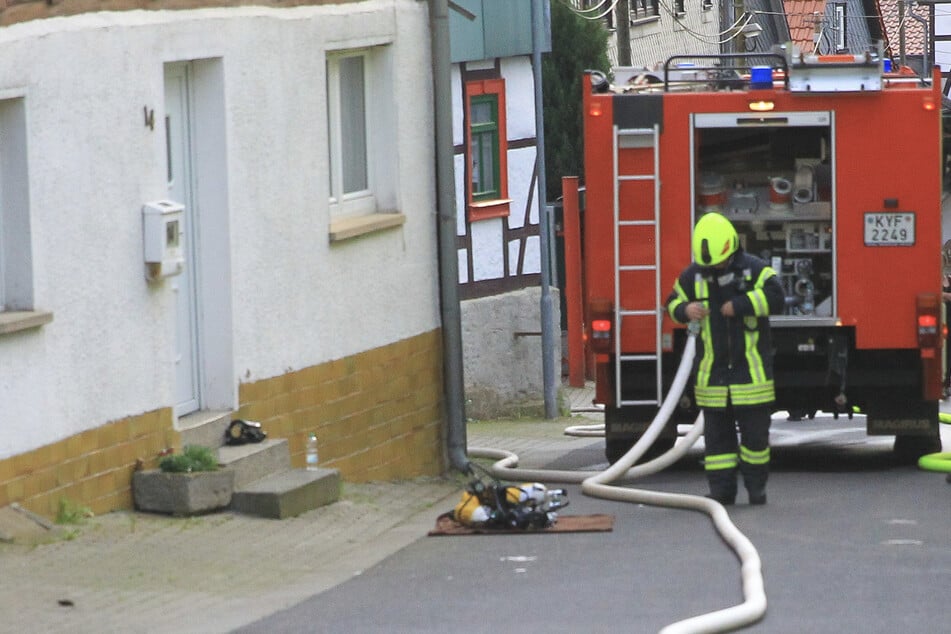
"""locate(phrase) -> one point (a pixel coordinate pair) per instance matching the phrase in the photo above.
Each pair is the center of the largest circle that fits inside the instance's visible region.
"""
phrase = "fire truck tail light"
(601, 326)
(930, 341)
(928, 103)
(762, 106)
(595, 108)
(601, 335)
(928, 311)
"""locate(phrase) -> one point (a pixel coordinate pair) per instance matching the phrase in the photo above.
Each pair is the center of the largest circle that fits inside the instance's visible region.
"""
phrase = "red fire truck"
(830, 169)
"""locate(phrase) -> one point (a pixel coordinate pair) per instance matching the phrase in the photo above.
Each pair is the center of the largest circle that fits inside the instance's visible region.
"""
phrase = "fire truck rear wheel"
(615, 448)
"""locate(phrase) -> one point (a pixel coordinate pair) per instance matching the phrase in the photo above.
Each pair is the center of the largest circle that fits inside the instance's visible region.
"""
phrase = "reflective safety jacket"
(734, 354)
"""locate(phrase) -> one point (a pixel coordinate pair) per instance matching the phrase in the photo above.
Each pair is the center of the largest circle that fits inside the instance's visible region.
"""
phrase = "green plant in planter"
(193, 458)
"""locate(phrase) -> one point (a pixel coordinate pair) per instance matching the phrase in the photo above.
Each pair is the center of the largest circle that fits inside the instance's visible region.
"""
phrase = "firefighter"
(731, 293)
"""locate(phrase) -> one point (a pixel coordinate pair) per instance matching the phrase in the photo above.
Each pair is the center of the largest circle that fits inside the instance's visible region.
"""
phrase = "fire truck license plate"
(889, 229)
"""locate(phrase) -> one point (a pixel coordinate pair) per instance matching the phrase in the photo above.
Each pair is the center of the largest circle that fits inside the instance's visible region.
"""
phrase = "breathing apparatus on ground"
(494, 504)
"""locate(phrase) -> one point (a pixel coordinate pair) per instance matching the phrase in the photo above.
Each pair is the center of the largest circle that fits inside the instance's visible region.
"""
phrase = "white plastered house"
(276, 165)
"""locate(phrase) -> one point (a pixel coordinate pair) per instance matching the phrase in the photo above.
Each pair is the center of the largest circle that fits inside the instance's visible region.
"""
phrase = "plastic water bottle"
(312, 451)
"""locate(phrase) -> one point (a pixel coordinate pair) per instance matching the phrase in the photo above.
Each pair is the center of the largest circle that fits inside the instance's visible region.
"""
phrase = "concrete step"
(288, 494)
(264, 484)
(205, 428)
(255, 460)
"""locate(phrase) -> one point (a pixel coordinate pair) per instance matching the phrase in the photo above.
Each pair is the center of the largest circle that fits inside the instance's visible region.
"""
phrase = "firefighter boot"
(754, 477)
(722, 486)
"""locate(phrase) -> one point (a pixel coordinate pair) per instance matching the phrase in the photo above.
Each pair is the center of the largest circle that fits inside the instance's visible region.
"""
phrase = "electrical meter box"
(163, 238)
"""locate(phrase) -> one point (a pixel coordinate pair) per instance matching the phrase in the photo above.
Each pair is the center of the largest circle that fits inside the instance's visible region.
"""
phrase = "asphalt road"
(850, 542)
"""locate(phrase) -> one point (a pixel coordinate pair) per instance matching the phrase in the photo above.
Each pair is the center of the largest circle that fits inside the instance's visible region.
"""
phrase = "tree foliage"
(577, 44)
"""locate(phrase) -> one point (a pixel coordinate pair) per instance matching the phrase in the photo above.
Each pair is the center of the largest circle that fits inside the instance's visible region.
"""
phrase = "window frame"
(479, 206)
(362, 201)
(644, 10)
(16, 258)
(17, 309)
(488, 130)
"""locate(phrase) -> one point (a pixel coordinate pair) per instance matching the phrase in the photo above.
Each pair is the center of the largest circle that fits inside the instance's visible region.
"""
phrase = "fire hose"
(597, 484)
(941, 461)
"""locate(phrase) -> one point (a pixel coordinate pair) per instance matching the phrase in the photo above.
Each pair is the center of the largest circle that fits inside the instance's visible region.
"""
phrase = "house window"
(487, 185)
(362, 142)
(484, 146)
(16, 260)
(350, 173)
(706, 5)
(679, 7)
(840, 40)
(362, 138)
(643, 9)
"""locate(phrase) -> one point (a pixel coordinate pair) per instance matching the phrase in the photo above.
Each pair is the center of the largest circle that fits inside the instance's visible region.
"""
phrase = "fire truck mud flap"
(621, 432)
(914, 425)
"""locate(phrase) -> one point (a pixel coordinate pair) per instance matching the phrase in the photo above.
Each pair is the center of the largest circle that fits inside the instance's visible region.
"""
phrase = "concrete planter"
(182, 493)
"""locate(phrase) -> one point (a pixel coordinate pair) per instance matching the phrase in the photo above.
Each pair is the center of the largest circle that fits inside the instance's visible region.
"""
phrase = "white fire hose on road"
(596, 484)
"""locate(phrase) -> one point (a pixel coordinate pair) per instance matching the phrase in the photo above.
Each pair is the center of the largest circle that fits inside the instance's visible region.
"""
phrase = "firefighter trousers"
(724, 455)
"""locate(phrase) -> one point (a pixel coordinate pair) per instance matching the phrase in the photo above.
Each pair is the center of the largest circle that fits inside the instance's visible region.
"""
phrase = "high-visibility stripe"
(764, 275)
(754, 457)
(758, 300)
(711, 395)
(753, 359)
(720, 462)
(700, 290)
(753, 393)
(752, 389)
(742, 394)
(681, 299)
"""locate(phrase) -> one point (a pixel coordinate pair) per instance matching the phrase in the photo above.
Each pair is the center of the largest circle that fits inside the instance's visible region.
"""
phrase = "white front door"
(179, 153)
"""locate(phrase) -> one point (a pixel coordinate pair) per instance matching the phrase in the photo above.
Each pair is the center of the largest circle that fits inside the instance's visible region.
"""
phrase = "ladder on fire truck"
(646, 139)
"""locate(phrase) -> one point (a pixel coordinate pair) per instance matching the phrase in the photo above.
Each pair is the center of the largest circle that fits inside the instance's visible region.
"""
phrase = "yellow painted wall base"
(92, 469)
(377, 415)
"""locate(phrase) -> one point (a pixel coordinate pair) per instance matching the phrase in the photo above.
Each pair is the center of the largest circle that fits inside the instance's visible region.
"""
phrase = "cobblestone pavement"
(138, 572)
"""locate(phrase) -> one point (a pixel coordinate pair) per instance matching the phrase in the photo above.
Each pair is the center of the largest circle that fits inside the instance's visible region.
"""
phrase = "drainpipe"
(448, 264)
(544, 219)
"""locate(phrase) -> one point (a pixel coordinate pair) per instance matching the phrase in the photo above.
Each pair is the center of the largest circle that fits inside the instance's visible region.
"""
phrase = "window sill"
(485, 209)
(15, 321)
(355, 226)
(645, 20)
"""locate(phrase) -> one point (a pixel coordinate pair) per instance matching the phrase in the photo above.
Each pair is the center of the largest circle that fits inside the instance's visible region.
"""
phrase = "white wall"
(298, 301)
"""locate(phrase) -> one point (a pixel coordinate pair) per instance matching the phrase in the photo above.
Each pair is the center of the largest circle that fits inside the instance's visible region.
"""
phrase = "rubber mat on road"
(445, 525)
